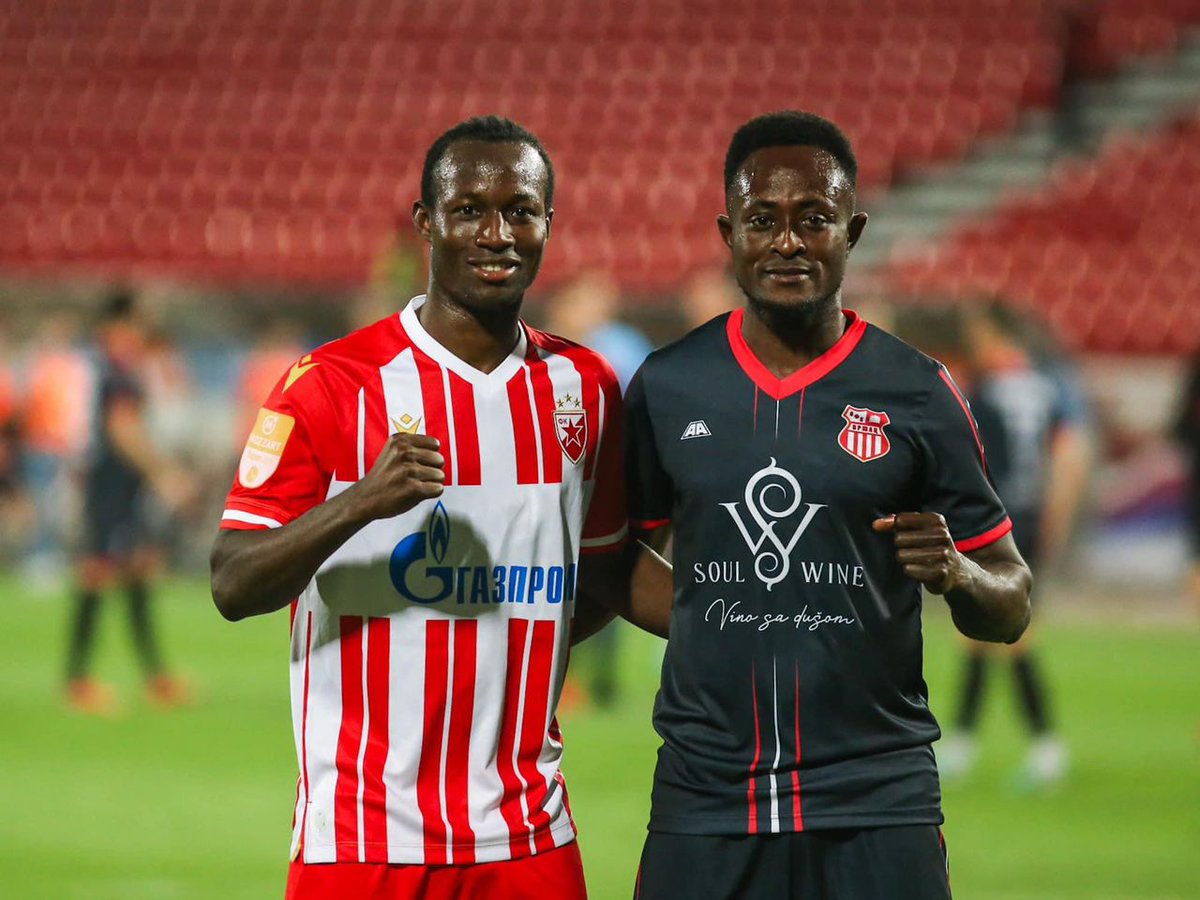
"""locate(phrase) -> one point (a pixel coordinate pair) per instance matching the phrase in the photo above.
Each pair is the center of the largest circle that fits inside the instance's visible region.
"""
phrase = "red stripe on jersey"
(797, 813)
(543, 398)
(466, 430)
(429, 769)
(555, 733)
(988, 537)
(533, 731)
(433, 395)
(524, 437)
(945, 376)
(510, 798)
(752, 819)
(462, 710)
(304, 724)
(376, 428)
(379, 640)
(345, 795)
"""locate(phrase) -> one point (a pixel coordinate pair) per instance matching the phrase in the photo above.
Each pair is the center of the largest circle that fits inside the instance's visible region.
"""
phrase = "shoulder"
(884, 348)
(589, 363)
(337, 369)
(695, 349)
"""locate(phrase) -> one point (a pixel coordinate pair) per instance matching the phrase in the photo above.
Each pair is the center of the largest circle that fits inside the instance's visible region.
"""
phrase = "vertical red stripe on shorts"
(466, 430)
(510, 798)
(433, 395)
(752, 817)
(376, 428)
(524, 438)
(797, 812)
(543, 398)
(429, 769)
(462, 710)
(345, 794)
(533, 731)
(375, 838)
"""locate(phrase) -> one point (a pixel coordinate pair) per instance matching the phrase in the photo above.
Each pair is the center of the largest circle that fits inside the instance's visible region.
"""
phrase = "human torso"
(428, 652)
(792, 694)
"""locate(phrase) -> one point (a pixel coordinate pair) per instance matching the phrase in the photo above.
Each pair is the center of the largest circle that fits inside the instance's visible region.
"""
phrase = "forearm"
(256, 572)
(992, 604)
(635, 584)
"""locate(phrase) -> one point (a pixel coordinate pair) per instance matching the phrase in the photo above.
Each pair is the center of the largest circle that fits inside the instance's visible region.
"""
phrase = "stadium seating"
(1109, 251)
(281, 140)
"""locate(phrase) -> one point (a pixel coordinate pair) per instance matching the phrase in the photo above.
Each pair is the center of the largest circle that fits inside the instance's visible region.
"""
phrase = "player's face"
(488, 224)
(790, 227)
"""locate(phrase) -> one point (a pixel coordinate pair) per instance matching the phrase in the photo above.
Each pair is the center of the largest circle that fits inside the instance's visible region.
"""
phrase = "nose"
(788, 242)
(494, 232)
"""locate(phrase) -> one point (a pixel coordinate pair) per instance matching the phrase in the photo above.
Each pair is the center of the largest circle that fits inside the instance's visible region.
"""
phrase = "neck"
(786, 340)
(481, 338)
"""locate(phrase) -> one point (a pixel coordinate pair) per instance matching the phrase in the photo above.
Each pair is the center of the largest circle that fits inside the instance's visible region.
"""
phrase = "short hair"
(119, 305)
(492, 130)
(789, 128)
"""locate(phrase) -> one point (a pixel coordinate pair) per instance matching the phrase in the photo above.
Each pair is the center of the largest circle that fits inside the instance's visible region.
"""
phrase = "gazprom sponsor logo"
(420, 573)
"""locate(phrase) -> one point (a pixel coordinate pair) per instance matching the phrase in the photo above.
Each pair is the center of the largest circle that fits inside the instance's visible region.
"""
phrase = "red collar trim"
(778, 388)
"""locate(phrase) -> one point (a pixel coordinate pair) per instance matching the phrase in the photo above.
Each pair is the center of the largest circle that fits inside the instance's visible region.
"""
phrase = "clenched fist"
(408, 470)
(925, 550)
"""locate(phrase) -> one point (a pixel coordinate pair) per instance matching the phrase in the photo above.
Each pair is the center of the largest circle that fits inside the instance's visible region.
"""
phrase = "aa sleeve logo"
(264, 447)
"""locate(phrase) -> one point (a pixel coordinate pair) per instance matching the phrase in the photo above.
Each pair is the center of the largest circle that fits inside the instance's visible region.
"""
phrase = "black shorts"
(115, 524)
(905, 862)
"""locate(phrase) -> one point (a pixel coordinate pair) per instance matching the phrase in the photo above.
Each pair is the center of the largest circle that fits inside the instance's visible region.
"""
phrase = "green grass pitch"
(197, 803)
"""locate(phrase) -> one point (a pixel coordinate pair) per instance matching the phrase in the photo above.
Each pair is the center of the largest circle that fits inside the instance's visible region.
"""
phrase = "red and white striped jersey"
(428, 652)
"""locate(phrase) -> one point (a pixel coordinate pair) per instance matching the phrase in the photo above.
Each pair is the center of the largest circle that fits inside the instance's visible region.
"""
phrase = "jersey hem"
(564, 833)
(736, 825)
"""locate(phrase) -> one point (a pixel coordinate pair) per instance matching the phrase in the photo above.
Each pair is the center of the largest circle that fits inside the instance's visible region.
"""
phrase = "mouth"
(788, 274)
(494, 271)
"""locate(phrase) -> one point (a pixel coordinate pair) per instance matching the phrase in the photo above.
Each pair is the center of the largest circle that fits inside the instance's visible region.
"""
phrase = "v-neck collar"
(427, 344)
(778, 388)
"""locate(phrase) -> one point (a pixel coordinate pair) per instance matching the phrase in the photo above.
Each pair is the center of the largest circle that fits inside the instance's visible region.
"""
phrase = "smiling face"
(790, 227)
(487, 226)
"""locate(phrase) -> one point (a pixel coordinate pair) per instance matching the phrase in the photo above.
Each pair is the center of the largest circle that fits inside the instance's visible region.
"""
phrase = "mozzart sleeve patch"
(264, 448)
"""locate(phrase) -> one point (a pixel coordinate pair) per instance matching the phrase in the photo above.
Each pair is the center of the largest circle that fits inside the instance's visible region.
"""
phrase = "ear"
(858, 222)
(420, 218)
(549, 219)
(725, 226)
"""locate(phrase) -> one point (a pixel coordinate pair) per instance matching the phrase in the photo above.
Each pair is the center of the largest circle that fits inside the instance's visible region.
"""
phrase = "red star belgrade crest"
(863, 437)
(570, 426)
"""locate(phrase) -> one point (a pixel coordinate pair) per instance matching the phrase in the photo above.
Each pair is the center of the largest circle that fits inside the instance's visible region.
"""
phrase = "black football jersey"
(792, 693)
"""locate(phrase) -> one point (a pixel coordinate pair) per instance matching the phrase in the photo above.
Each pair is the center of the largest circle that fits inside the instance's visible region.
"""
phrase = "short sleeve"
(283, 471)
(650, 490)
(606, 525)
(956, 480)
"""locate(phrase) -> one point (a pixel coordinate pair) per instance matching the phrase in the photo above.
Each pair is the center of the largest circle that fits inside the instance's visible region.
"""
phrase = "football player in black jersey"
(816, 473)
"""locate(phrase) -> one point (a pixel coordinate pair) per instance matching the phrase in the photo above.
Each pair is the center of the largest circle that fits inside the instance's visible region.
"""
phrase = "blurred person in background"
(58, 385)
(277, 346)
(1033, 422)
(123, 464)
(16, 511)
(816, 472)
(424, 694)
(586, 310)
(708, 293)
(1186, 431)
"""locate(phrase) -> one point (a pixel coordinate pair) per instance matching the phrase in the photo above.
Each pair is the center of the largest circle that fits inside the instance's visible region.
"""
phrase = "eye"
(816, 221)
(760, 221)
(523, 212)
(465, 209)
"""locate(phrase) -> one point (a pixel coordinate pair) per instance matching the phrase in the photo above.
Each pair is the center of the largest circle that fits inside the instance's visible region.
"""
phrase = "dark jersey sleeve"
(956, 480)
(649, 487)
